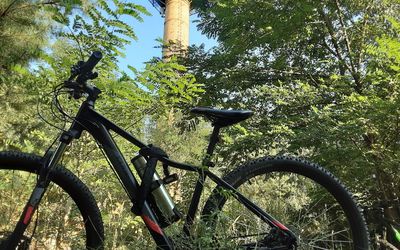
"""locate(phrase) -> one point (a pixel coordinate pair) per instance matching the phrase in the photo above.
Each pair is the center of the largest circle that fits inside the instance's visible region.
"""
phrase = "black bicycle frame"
(99, 127)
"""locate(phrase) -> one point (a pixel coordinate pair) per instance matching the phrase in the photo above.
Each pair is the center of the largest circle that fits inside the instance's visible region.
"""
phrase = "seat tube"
(211, 146)
(200, 181)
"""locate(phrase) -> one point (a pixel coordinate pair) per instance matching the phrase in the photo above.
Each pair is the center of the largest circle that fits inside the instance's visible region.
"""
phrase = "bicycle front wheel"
(67, 216)
(304, 197)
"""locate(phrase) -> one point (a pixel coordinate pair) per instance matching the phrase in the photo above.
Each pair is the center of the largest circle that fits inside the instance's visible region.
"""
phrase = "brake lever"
(76, 70)
(82, 78)
(76, 94)
(93, 76)
(75, 90)
(70, 84)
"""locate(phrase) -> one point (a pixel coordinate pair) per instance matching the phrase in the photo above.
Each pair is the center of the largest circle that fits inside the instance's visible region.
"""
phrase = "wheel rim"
(57, 224)
(302, 205)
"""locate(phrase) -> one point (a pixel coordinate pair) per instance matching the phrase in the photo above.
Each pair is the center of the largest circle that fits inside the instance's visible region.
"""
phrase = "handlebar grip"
(91, 62)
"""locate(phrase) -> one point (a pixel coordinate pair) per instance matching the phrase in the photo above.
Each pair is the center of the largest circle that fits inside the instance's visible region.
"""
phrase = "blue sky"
(148, 31)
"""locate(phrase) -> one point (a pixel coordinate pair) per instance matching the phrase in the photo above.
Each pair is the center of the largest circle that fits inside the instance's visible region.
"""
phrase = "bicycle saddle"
(222, 117)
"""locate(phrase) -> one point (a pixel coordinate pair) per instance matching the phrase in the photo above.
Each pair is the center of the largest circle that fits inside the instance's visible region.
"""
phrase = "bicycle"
(315, 210)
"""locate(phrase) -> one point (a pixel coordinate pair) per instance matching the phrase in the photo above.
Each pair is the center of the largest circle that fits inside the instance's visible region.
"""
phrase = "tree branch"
(363, 35)
(7, 9)
(337, 53)
(353, 69)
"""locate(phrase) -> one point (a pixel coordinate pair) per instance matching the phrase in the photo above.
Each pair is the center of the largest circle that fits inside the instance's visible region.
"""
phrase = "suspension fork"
(50, 160)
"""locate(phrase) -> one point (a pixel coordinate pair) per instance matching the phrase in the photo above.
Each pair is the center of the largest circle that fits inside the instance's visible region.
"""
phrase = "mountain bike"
(268, 203)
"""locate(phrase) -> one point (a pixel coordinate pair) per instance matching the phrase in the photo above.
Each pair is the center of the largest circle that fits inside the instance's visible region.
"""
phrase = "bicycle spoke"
(309, 209)
(248, 235)
(326, 236)
(317, 247)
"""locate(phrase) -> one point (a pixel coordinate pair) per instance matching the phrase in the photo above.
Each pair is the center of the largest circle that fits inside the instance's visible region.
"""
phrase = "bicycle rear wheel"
(67, 217)
(304, 197)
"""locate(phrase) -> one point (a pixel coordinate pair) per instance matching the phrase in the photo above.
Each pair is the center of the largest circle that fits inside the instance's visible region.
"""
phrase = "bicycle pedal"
(170, 178)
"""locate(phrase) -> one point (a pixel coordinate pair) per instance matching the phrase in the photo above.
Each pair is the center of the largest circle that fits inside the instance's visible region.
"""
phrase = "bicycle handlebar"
(93, 60)
(82, 71)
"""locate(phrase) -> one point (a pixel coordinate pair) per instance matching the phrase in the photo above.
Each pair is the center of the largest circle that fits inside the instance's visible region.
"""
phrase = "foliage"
(322, 78)
(16, 28)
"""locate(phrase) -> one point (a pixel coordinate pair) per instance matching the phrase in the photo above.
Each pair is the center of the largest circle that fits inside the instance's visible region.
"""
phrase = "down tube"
(130, 184)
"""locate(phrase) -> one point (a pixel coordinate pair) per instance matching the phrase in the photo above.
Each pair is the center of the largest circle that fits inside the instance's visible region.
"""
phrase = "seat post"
(211, 146)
